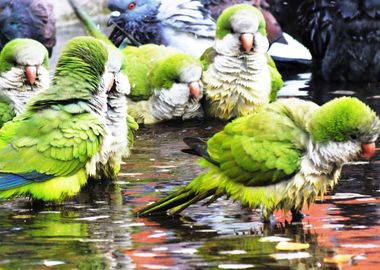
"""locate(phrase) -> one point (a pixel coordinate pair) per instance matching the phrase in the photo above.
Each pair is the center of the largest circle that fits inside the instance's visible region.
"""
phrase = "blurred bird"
(27, 19)
(281, 157)
(165, 83)
(49, 151)
(239, 74)
(173, 23)
(273, 29)
(342, 36)
(24, 71)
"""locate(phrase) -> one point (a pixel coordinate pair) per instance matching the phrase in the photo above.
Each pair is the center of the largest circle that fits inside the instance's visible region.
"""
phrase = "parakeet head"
(83, 62)
(178, 71)
(241, 29)
(24, 64)
(346, 119)
(137, 17)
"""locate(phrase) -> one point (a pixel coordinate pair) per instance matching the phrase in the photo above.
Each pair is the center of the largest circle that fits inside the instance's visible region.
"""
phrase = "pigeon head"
(180, 70)
(241, 30)
(346, 119)
(26, 59)
(136, 17)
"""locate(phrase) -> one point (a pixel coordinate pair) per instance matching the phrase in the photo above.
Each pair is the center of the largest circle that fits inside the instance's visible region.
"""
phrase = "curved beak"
(195, 89)
(109, 80)
(31, 74)
(247, 41)
(368, 150)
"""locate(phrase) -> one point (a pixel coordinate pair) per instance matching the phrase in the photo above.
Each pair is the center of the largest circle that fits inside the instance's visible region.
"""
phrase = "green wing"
(138, 66)
(52, 141)
(207, 58)
(276, 78)
(7, 112)
(133, 126)
(260, 149)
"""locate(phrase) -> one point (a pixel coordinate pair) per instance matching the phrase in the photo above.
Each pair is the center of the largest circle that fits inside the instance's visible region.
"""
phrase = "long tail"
(88, 25)
(200, 188)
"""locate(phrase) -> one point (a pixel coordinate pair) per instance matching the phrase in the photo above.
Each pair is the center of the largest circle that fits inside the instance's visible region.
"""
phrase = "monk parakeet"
(239, 74)
(24, 71)
(183, 24)
(165, 84)
(49, 151)
(281, 157)
(118, 136)
(27, 19)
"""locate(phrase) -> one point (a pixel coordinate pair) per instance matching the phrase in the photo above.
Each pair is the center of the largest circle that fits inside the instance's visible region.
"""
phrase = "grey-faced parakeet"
(165, 84)
(24, 71)
(118, 138)
(239, 74)
(280, 157)
(49, 151)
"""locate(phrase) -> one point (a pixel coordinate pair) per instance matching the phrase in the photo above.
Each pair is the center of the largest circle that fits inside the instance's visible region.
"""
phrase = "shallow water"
(97, 230)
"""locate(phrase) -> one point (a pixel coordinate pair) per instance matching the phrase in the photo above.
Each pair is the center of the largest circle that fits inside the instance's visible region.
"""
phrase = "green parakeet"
(24, 71)
(239, 74)
(165, 83)
(49, 151)
(116, 118)
(282, 156)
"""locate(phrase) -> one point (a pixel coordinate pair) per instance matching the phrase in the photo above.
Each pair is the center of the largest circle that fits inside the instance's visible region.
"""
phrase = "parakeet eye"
(132, 6)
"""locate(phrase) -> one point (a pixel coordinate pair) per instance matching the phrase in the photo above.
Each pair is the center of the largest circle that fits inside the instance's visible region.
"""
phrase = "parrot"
(171, 23)
(238, 74)
(24, 71)
(48, 152)
(27, 19)
(165, 83)
(272, 26)
(282, 156)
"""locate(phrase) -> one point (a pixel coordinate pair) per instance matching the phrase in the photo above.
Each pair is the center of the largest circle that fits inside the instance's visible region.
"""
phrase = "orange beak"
(368, 150)
(109, 80)
(31, 74)
(247, 42)
(195, 89)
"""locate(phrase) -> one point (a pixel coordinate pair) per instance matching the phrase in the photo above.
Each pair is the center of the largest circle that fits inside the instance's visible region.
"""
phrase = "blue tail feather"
(11, 180)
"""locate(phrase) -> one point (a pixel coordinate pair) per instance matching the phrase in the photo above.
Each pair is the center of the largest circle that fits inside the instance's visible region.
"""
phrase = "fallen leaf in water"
(235, 266)
(290, 256)
(339, 259)
(291, 246)
(274, 239)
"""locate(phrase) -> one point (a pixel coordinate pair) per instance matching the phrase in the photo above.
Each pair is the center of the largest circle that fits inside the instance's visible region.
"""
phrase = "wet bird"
(343, 36)
(24, 71)
(49, 151)
(239, 74)
(27, 19)
(281, 157)
(173, 23)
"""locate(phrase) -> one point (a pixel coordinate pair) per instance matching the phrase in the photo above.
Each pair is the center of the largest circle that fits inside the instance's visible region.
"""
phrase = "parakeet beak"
(195, 89)
(109, 80)
(368, 150)
(31, 74)
(247, 41)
